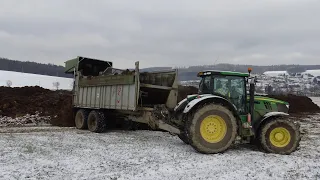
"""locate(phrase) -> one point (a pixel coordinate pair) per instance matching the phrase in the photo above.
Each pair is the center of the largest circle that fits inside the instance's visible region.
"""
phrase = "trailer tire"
(96, 121)
(279, 136)
(81, 119)
(212, 129)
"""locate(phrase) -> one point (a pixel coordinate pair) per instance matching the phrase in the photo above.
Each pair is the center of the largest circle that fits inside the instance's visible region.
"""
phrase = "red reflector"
(249, 118)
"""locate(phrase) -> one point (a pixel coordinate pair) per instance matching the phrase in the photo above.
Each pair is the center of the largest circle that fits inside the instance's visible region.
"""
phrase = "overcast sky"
(162, 32)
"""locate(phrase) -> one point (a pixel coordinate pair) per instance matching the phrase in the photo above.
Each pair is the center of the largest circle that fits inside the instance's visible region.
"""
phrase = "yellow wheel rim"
(280, 137)
(213, 129)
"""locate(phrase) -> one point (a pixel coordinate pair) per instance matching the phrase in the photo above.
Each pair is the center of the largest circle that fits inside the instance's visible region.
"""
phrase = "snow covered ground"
(67, 153)
(19, 79)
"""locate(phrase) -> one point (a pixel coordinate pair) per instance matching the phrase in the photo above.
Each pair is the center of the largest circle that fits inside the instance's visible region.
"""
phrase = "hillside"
(189, 73)
(185, 73)
(32, 67)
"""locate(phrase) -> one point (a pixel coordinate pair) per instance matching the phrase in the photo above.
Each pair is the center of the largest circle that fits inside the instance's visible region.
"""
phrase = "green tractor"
(226, 108)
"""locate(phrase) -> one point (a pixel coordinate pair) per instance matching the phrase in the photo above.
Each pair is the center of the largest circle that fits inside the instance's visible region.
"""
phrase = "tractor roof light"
(249, 70)
(200, 74)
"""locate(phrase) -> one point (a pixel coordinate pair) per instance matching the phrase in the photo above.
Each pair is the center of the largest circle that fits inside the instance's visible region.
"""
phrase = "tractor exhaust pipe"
(251, 94)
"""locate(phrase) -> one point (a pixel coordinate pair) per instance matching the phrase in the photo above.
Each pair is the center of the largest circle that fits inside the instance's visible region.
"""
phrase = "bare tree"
(56, 84)
(9, 83)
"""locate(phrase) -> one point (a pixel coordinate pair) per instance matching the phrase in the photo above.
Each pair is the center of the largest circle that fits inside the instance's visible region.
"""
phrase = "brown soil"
(15, 102)
(298, 104)
(184, 91)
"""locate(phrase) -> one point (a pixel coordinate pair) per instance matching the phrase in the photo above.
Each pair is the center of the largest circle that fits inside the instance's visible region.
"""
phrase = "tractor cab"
(229, 85)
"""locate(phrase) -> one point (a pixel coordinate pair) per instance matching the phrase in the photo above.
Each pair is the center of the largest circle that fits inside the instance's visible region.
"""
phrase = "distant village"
(281, 82)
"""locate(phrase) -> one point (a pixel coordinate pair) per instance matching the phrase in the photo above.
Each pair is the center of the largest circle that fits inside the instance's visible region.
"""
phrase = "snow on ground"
(19, 79)
(67, 153)
(27, 119)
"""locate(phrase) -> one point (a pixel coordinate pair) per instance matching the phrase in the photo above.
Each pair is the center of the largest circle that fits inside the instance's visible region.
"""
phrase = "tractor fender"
(208, 98)
(182, 103)
(256, 125)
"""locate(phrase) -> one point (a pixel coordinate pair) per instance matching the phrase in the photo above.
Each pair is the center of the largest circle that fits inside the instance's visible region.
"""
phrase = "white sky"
(162, 33)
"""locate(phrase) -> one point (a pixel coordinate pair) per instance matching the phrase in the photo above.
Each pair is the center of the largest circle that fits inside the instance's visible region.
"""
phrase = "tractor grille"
(267, 105)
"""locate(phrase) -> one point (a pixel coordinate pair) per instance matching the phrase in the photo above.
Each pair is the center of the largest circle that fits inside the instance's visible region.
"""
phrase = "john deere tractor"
(226, 108)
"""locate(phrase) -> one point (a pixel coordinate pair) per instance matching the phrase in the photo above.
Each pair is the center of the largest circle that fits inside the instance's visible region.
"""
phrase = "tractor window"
(232, 88)
(238, 93)
(205, 86)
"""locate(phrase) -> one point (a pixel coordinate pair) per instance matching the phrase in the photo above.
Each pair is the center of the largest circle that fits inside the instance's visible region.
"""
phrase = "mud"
(298, 104)
(17, 102)
(184, 91)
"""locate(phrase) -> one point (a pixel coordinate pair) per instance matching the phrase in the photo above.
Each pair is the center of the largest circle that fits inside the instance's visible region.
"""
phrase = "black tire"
(183, 137)
(183, 130)
(81, 119)
(194, 135)
(96, 121)
(293, 143)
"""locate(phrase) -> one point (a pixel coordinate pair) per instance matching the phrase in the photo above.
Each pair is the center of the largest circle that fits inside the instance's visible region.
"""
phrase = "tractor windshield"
(230, 87)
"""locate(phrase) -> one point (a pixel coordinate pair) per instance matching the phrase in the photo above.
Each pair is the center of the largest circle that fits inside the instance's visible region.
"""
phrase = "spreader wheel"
(81, 119)
(96, 121)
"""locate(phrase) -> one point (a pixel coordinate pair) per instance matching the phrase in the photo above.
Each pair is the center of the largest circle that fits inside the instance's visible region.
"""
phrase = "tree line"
(185, 73)
(189, 73)
(32, 67)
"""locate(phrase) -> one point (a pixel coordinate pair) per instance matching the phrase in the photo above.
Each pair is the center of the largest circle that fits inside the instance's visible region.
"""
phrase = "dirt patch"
(17, 102)
(298, 104)
(64, 111)
(184, 91)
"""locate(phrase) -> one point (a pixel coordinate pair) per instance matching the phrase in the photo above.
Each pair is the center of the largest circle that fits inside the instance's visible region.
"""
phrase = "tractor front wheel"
(212, 129)
(183, 137)
(279, 136)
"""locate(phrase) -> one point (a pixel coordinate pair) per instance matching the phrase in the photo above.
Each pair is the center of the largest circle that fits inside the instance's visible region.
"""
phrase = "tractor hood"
(264, 98)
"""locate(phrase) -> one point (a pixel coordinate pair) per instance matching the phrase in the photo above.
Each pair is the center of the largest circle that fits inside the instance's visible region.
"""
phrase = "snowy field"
(68, 153)
(19, 79)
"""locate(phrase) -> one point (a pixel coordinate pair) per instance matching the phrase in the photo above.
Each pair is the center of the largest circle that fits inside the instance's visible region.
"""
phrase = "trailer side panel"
(107, 97)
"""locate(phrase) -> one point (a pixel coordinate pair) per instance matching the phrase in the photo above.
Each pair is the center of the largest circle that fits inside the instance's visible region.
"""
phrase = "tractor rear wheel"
(81, 119)
(280, 136)
(183, 137)
(212, 129)
(96, 121)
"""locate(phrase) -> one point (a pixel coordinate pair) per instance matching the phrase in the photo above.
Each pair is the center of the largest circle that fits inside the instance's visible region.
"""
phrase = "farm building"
(276, 73)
